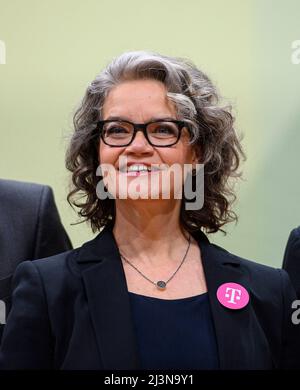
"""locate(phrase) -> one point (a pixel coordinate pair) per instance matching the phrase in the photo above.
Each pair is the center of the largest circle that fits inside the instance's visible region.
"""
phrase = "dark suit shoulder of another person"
(30, 228)
(291, 259)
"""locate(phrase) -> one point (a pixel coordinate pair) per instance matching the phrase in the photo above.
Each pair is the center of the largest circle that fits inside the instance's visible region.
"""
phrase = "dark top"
(174, 334)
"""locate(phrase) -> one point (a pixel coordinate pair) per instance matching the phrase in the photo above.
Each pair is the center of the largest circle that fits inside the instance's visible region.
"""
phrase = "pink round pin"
(233, 295)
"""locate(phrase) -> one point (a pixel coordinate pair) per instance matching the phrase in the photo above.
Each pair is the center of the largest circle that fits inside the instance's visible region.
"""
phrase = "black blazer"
(72, 311)
(291, 260)
(30, 228)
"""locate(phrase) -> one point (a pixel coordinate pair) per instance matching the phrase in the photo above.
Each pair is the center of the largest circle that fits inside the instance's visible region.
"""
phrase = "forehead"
(142, 98)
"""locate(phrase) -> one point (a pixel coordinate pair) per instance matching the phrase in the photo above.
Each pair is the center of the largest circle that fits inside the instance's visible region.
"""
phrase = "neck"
(148, 232)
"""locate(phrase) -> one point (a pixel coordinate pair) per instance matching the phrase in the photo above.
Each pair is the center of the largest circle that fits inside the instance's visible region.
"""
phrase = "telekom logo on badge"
(233, 295)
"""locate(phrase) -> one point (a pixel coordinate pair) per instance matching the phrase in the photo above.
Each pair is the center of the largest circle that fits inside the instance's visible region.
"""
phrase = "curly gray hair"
(197, 103)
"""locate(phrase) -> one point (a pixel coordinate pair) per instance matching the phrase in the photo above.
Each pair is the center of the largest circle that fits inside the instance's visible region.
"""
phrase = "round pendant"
(161, 285)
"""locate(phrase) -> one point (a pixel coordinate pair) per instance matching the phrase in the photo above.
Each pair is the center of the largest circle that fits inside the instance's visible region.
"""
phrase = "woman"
(150, 291)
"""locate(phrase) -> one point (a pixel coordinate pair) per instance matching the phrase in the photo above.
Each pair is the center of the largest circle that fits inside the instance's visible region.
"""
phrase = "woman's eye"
(116, 130)
(165, 130)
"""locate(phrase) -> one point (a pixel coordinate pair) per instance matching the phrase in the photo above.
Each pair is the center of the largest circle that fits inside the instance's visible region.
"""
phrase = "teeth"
(138, 168)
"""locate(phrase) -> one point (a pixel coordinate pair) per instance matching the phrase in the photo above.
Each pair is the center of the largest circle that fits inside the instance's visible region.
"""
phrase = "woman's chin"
(146, 194)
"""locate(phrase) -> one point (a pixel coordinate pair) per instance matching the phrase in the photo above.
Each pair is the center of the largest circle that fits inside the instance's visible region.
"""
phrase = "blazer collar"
(233, 327)
(109, 303)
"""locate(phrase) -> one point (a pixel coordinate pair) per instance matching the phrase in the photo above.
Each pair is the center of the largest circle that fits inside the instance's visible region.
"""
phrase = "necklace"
(161, 285)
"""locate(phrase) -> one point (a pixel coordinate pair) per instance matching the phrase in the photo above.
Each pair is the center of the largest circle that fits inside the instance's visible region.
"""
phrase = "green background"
(55, 48)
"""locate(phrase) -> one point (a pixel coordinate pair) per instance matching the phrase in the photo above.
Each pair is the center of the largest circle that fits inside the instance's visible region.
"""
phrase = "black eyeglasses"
(162, 133)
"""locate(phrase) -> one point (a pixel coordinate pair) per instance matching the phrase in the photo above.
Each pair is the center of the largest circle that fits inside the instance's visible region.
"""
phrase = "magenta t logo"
(233, 295)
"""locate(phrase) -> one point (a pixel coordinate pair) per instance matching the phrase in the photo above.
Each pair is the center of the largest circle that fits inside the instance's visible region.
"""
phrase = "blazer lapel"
(237, 331)
(109, 304)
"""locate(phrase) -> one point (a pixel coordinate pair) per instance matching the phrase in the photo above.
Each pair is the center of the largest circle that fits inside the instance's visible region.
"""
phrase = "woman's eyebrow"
(124, 118)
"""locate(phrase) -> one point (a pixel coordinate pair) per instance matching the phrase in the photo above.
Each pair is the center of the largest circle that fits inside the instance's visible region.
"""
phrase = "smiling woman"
(151, 291)
(178, 90)
(155, 147)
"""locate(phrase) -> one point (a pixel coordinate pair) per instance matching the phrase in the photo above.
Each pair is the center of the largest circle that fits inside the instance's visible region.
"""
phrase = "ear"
(196, 156)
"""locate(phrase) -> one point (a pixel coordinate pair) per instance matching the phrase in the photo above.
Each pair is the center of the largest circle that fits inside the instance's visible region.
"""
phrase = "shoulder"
(53, 267)
(251, 266)
(15, 186)
(265, 280)
(51, 279)
(217, 256)
(291, 258)
(72, 263)
(19, 192)
(296, 232)
(294, 236)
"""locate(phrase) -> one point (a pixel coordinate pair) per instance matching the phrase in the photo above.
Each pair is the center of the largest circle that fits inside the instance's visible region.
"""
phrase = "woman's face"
(141, 101)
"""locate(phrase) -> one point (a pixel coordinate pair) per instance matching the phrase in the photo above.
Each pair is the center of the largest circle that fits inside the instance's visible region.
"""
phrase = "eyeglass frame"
(141, 127)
